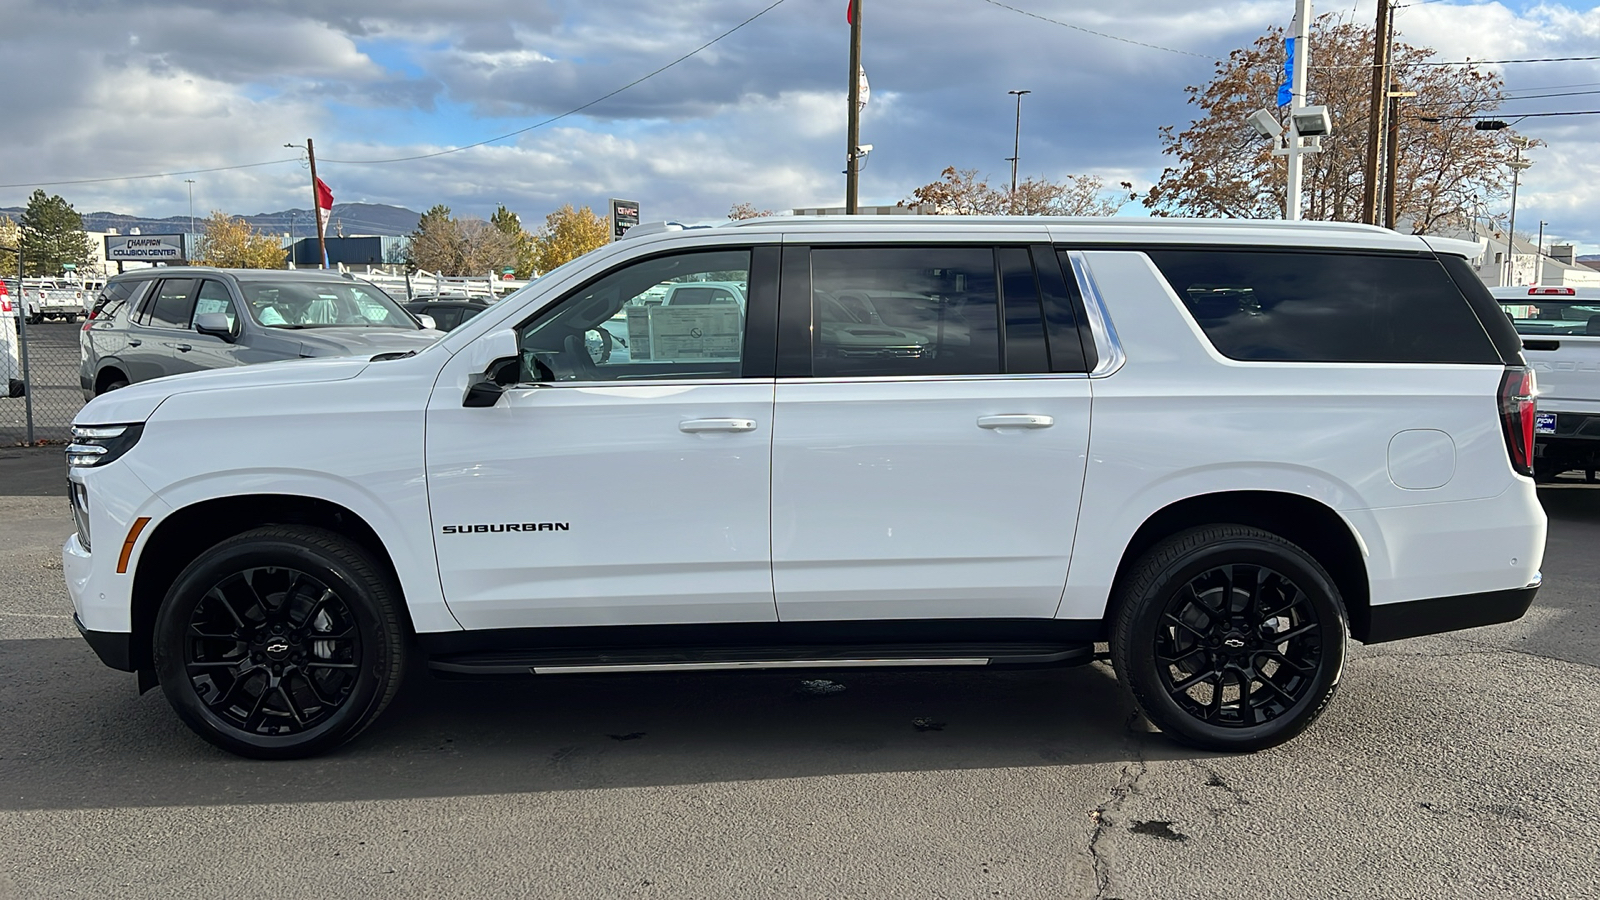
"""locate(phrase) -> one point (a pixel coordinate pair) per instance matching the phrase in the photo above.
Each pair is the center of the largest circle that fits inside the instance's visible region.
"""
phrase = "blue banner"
(1285, 92)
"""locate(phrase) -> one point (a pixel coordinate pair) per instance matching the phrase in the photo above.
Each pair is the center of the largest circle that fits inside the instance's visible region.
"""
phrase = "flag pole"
(852, 172)
(316, 206)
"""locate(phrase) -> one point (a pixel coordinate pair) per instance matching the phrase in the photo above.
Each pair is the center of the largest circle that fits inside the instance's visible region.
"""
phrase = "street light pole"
(1517, 165)
(1016, 143)
(852, 172)
(1538, 257)
(1297, 101)
(190, 183)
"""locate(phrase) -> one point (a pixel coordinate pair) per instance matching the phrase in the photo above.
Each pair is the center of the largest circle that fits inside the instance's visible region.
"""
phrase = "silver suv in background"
(1560, 329)
(168, 321)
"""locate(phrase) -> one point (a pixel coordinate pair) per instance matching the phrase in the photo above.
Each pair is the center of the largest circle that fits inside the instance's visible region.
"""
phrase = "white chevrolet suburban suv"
(1219, 447)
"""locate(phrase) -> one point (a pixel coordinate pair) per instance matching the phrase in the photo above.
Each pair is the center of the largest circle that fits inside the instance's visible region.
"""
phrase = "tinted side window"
(214, 298)
(1025, 348)
(111, 299)
(1326, 307)
(173, 303)
(904, 311)
(446, 317)
(617, 328)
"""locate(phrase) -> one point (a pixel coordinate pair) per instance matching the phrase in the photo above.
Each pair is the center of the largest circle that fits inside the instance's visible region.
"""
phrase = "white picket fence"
(425, 284)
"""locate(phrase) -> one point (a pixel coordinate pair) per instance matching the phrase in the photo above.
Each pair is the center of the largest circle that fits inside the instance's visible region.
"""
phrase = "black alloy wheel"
(1229, 638)
(280, 642)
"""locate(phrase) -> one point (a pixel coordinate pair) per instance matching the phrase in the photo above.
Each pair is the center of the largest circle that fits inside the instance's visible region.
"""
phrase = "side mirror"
(427, 321)
(215, 325)
(487, 359)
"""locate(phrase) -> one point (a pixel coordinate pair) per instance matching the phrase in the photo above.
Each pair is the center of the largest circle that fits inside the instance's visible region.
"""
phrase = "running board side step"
(570, 661)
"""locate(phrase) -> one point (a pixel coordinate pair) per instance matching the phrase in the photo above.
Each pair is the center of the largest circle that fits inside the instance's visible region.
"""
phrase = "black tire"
(112, 385)
(279, 643)
(1278, 641)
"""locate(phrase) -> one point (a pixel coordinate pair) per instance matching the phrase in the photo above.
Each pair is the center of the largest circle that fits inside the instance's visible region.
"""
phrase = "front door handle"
(134, 343)
(1016, 421)
(182, 348)
(700, 426)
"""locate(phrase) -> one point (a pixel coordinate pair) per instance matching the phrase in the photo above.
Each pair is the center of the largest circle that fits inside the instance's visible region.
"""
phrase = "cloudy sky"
(101, 89)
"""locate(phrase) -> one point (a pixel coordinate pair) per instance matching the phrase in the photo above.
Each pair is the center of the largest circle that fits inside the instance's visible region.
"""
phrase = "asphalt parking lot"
(1463, 765)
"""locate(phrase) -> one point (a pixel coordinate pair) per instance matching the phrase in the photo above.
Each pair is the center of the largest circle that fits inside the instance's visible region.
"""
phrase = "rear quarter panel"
(1180, 420)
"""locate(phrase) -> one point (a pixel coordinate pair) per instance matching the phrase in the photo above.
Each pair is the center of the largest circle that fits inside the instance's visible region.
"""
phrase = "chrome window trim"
(890, 379)
(1108, 347)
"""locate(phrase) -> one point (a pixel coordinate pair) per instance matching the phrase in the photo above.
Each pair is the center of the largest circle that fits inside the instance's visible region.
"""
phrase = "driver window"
(671, 317)
(214, 299)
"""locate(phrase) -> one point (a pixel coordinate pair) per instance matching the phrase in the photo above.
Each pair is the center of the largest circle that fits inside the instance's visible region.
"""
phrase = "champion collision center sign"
(144, 248)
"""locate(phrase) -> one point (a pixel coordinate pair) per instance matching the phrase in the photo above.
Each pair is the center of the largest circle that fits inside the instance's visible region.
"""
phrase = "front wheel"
(280, 643)
(1229, 638)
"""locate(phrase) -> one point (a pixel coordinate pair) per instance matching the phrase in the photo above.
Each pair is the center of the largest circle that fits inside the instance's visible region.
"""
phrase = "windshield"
(1546, 315)
(322, 304)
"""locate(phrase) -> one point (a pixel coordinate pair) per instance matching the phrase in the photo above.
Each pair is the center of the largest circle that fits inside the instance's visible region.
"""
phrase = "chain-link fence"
(39, 360)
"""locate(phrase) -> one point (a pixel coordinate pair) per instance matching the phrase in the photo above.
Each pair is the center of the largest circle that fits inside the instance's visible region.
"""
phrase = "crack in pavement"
(1127, 784)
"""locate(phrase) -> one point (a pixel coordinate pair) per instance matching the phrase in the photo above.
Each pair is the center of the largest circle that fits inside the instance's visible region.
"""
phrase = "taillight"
(1516, 416)
(89, 319)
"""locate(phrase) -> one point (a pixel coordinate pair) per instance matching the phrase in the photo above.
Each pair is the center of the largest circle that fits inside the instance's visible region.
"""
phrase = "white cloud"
(757, 118)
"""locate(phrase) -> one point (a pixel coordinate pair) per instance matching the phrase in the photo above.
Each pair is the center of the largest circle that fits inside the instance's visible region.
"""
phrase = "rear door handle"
(182, 348)
(699, 426)
(1015, 421)
(134, 343)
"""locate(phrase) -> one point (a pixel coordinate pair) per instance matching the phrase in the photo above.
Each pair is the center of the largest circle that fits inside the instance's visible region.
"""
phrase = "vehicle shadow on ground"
(77, 737)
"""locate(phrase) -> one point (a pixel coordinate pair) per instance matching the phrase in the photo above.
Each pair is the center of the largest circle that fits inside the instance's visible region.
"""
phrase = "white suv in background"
(1219, 446)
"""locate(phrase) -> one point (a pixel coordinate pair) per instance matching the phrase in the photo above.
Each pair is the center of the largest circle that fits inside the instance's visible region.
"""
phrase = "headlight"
(79, 497)
(96, 445)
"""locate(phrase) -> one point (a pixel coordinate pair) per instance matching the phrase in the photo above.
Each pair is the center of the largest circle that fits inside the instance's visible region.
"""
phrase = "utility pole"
(1517, 165)
(852, 172)
(1297, 101)
(316, 208)
(1538, 257)
(1376, 110)
(1390, 204)
(190, 183)
(1016, 143)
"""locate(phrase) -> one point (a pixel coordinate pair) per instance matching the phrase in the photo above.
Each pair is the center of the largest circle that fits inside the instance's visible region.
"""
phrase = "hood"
(363, 342)
(136, 402)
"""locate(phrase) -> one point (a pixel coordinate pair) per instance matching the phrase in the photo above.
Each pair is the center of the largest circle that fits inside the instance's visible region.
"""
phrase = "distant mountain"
(348, 218)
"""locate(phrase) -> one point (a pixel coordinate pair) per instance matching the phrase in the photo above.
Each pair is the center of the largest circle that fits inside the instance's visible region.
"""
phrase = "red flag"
(849, 12)
(324, 204)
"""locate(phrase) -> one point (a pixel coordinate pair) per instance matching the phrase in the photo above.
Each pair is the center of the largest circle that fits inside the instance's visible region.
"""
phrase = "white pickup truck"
(42, 299)
(1560, 328)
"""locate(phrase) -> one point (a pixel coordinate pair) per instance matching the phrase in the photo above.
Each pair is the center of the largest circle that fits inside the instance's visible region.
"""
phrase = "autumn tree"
(510, 224)
(568, 234)
(748, 211)
(434, 245)
(10, 234)
(1446, 172)
(960, 192)
(483, 248)
(52, 236)
(231, 243)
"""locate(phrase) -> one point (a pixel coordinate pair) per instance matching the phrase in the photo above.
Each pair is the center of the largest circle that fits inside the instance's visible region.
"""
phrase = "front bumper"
(115, 649)
(1415, 618)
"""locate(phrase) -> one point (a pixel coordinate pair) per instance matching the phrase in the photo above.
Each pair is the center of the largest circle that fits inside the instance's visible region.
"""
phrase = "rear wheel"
(280, 643)
(1229, 638)
(116, 383)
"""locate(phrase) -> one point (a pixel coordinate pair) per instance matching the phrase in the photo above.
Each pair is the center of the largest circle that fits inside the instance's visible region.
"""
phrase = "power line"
(1518, 116)
(1562, 94)
(271, 162)
(574, 111)
(1467, 62)
(1501, 62)
(1555, 87)
(1097, 33)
